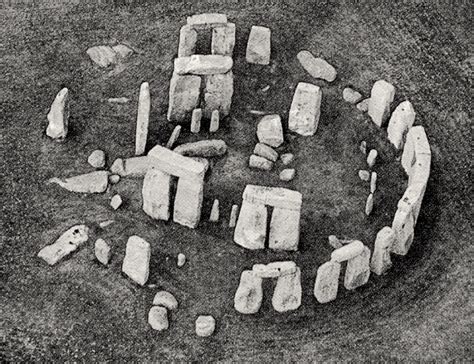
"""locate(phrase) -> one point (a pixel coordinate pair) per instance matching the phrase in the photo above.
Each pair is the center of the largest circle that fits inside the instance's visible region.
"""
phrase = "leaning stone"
(287, 293)
(347, 252)
(187, 41)
(116, 202)
(400, 122)
(259, 46)
(284, 229)
(381, 97)
(249, 295)
(358, 270)
(262, 271)
(364, 175)
(181, 260)
(273, 196)
(270, 131)
(214, 217)
(287, 175)
(137, 259)
(373, 182)
(218, 92)
(214, 124)
(199, 64)
(174, 136)
(334, 242)
(371, 158)
(369, 204)
(68, 242)
(203, 148)
(316, 67)
(102, 251)
(266, 152)
(287, 158)
(118, 167)
(416, 145)
(196, 121)
(183, 97)
(305, 109)
(381, 261)
(97, 159)
(114, 179)
(207, 20)
(94, 182)
(352, 96)
(143, 117)
(363, 105)
(188, 202)
(403, 225)
(233, 215)
(251, 229)
(58, 116)
(136, 166)
(158, 318)
(103, 56)
(223, 40)
(165, 299)
(205, 326)
(327, 282)
(363, 147)
(258, 162)
(156, 194)
(122, 50)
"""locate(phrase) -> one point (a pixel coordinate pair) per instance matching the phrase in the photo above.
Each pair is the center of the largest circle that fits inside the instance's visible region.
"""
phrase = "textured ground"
(77, 310)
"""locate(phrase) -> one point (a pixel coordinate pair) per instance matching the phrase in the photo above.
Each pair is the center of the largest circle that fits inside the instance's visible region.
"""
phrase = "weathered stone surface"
(284, 229)
(305, 109)
(381, 97)
(372, 157)
(420, 171)
(118, 100)
(97, 159)
(400, 122)
(358, 270)
(218, 92)
(258, 162)
(203, 64)
(204, 148)
(316, 67)
(287, 174)
(381, 261)
(287, 158)
(287, 293)
(94, 182)
(136, 166)
(403, 226)
(273, 196)
(363, 105)
(181, 260)
(58, 116)
(103, 56)
(102, 251)
(116, 202)
(416, 145)
(270, 131)
(187, 41)
(251, 229)
(203, 161)
(118, 167)
(207, 20)
(412, 199)
(214, 217)
(68, 242)
(363, 147)
(143, 117)
(214, 124)
(369, 204)
(183, 96)
(266, 152)
(196, 121)
(158, 318)
(373, 182)
(165, 299)
(347, 252)
(327, 282)
(205, 326)
(223, 40)
(352, 96)
(364, 175)
(174, 137)
(122, 50)
(249, 295)
(188, 202)
(137, 259)
(233, 215)
(259, 46)
(334, 242)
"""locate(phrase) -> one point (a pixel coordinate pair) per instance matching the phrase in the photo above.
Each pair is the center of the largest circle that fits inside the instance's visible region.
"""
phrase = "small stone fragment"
(97, 159)
(381, 261)
(287, 293)
(334, 241)
(114, 179)
(258, 162)
(137, 259)
(316, 67)
(143, 117)
(181, 259)
(94, 182)
(305, 109)
(287, 174)
(196, 121)
(259, 45)
(118, 167)
(371, 158)
(205, 326)
(233, 215)
(58, 116)
(327, 282)
(158, 318)
(381, 97)
(373, 182)
(266, 152)
(363, 147)
(363, 105)
(165, 299)
(214, 217)
(249, 295)
(364, 175)
(103, 56)
(174, 136)
(401, 121)
(122, 50)
(214, 125)
(270, 131)
(287, 158)
(116, 201)
(350, 95)
(347, 251)
(358, 270)
(369, 204)
(102, 251)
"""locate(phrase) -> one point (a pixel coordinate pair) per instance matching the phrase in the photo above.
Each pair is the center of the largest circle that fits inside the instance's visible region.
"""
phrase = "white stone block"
(203, 64)
(251, 229)
(270, 131)
(223, 40)
(188, 202)
(259, 45)
(358, 270)
(381, 97)
(305, 109)
(273, 196)
(156, 194)
(187, 41)
(403, 225)
(401, 121)
(327, 282)
(381, 261)
(317, 67)
(218, 92)
(68, 242)
(184, 96)
(137, 259)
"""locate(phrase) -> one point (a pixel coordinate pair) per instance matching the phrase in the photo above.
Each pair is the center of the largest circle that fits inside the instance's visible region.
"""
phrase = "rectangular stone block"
(273, 196)
(358, 270)
(251, 229)
(207, 20)
(218, 92)
(420, 171)
(143, 116)
(381, 97)
(416, 144)
(401, 121)
(223, 40)
(188, 202)
(347, 252)
(136, 263)
(403, 226)
(381, 261)
(288, 292)
(249, 295)
(135, 166)
(183, 96)
(259, 46)
(156, 194)
(202, 64)
(305, 109)
(284, 229)
(412, 199)
(187, 41)
(327, 282)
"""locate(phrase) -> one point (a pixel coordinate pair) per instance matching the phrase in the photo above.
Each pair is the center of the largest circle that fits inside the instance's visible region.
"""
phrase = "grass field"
(80, 311)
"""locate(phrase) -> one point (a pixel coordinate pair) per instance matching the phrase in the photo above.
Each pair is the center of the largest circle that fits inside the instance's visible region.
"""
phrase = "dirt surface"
(80, 311)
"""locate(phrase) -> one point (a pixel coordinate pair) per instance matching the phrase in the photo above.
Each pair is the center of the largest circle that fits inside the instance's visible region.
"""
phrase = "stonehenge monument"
(317, 67)
(381, 97)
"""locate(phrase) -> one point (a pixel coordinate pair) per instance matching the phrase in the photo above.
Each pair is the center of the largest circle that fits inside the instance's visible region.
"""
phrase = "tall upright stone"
(358, 270)
(183, 96)
(223, 40)
(403, 226)
(284, 229)
(400, 122)
(58, 116)
(174, 137)
(305, 109)
(288, 292)
(249, 295)
(251, 229)
(218, 92)
(188, 202)
(381, 261)
(143, 117)
(187, 41)
(68, 242)
(381, 97)
(259, 45)
(156, 194)
(327, 282)
(136, 263)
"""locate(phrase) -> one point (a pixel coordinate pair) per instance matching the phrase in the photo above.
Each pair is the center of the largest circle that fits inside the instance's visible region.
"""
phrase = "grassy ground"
(79, 310)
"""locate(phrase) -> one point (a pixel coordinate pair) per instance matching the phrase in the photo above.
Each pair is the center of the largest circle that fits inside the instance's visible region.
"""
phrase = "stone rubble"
(305, 109)
(259, 46)
(97, 159)
(287, 158)
(258, 162)
(400, 122)
(364, 175)
(137, 259)
(143, 118)
(102, 251)
(114, 179)
(58, 116)
(118, 167)
(93, 182)
(270, 131)
(316, 67)
(381, 98)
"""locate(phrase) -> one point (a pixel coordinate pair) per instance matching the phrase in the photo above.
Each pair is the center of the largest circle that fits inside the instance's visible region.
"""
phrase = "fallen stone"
(287, 158)
(68, 242)
(251, 229)
(364, 175)
(205, 326)
(287, 293)
(94, 182)
(223, 40)
(181, 260)
(118, 167)
(284, 229)
(233, 215)
(118, 100)
(287, 175)
(122, 50)
(347, 252)
(371, 158)
(266, 152)
(381, 97)
(143, 117)
(351, 96)
(273, 196)
(259, 46)
(214, 217)
(381, 261)
(218, 92)
(196, 121)
(188, 202)
(58, 116)
(358, 270)
(137, 259)
(420, 171)
(249, 295)
(199, 64)
(165, 299)
(183, 97)
(207, 20)
(114, 179)
(369, 204)
(203, 148)
(187, 41)
(174, 136)
(316, 67)
(327, 282)
(403, 226)
(363, 147)
(270, 131)
(97, 159)
(106, 223)
(334, 242)
(214, 124)
(305, 109)
(116, 202)
(156, 194)
(158, 318)
(363, 105)
(102, 251)
(103, 56)
(258, 162)
(400, 122)
(373, 182)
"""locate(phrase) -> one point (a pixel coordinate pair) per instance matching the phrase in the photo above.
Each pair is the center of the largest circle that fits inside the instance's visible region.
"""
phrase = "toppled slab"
(381, 97)
(207, 20)
(400, 122)
(305, 109)
(270, 131)
(203, 148)
(316, 67)
(137, 259)
(94, 182)
(199, 64)
(249, 295)
(183, 96)
(273, 196)
(58, 116)
(259, 46)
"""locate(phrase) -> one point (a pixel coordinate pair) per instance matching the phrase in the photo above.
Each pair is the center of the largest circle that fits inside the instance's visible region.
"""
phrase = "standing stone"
(181, 260)
(266, 152)
(412, 199)
(363, 147)
(214, 217)
(327, 282)
(203, 64)
(369, 204)
(259, 46)
(183, 96)
(174, 136)
(187, 41)
(284, 229)
(305, 109)
(403, 226)
(158, 318)
(258, 162)
(334, 242)
(347, 252)
(270, 131)
(94, 182)
(156, 194)
(116, 202)
(102, 251)
(58, 116)
(223, 40)
(287, 293)
(203, 148)
(251, 229)
(233, 215)
(165, 299)
(143, 117)
(137, 259)
(249, 295)
(316, 67)
(372, 157)
(214, 125)
(188, 202)
(364, 175)
(416, 145)
(196, 121)
(401, 121)
(358, 270)
(218, 92)
(350, 95)
(68, 242)
(205, 326)
(97, 159)
(373, 182)
(287, 174)
(381, 97)
(381, 261)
